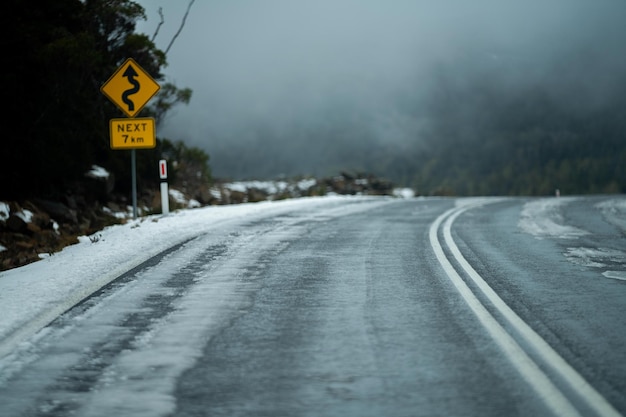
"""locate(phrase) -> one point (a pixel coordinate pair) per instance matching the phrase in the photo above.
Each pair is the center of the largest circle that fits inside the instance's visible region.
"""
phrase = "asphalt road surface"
(366, 307)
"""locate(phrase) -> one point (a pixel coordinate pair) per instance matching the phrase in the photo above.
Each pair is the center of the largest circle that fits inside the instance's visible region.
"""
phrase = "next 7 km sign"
(138, 133)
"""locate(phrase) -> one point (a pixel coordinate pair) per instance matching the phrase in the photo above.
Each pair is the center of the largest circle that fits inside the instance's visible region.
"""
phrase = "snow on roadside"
(612, 261)
(180, 198)
(614, 212)
(594, 257)
(542, 218)
(33, 295)
(619, 275)
(98, 172)
(25, 215)
(270, 187)
(4, 215)
(4, 211)
(403, 192)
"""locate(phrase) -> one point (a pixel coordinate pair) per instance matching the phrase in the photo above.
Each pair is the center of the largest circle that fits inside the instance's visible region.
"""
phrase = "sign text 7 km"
(138, 133)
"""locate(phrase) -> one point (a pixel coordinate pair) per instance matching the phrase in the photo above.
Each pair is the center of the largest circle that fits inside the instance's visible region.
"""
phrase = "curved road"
(367, 307)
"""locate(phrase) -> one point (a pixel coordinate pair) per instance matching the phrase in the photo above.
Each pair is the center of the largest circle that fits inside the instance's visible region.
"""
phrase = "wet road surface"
(352, 310)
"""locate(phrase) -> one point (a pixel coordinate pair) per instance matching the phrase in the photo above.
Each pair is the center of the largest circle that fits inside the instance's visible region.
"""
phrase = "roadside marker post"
(165, 201)
(130, 88)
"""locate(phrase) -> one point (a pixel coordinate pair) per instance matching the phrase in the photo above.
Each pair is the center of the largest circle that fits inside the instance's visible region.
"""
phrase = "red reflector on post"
(163, 169)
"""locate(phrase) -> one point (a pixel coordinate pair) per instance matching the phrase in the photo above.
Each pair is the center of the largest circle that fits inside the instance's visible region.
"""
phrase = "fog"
(294, 87)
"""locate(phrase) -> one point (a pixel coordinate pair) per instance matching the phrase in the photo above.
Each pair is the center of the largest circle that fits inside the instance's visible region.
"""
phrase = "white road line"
(528, 369)
(576, 382)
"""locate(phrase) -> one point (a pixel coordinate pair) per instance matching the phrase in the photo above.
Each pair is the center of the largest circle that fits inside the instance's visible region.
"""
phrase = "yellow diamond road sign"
(137, 133)
(130, 87)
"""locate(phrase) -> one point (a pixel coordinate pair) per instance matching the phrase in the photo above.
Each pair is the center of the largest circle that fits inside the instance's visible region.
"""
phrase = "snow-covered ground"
(33, 295)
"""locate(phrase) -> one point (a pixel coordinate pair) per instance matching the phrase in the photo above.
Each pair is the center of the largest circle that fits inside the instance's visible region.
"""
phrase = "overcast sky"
(292, 63)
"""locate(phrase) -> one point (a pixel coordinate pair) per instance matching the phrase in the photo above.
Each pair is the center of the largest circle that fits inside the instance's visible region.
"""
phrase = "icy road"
(328, 307)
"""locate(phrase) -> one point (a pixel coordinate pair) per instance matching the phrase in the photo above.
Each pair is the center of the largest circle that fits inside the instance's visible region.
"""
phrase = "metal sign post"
(133, 164)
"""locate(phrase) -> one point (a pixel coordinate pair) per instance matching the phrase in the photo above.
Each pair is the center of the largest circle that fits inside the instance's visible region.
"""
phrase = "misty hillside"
(483, 97)
(487, 131)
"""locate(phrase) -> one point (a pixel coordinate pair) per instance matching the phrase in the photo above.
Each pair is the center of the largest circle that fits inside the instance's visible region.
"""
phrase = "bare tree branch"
(156, 32)
(182, 24)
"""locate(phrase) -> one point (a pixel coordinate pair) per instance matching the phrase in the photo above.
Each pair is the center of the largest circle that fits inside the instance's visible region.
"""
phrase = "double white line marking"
(543, 356)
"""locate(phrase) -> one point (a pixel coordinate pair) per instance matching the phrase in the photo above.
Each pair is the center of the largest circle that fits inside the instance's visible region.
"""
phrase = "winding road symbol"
(130, 73)
(130, 88)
